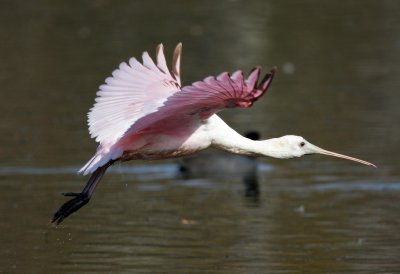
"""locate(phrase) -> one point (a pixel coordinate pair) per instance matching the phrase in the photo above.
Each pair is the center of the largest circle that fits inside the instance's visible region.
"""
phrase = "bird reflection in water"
(213, 163)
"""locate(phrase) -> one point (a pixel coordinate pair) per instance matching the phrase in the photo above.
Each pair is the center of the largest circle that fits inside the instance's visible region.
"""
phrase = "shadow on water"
(213, 163)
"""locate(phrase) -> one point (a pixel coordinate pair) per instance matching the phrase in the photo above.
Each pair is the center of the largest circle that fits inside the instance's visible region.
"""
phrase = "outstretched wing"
(133, 91)
(204, 98)
(141, 98)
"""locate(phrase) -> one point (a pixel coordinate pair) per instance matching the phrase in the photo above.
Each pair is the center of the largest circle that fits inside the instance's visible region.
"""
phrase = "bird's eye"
(302, 144)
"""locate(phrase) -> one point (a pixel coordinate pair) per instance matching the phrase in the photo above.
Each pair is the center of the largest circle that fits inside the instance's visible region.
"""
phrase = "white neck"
(226, 138)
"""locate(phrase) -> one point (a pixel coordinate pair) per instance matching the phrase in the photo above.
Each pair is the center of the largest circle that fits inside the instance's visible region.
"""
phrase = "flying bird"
(143, 112)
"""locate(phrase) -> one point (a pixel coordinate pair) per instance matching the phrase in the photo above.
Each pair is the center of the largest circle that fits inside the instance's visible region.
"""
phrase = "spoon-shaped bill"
(330, 153)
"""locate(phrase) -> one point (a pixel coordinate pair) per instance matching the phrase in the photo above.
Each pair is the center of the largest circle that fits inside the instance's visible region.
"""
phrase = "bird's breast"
(169, 145)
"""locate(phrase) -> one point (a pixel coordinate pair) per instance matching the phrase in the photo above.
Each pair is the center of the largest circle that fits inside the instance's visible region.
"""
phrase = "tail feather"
(91, 165)
(100, 159)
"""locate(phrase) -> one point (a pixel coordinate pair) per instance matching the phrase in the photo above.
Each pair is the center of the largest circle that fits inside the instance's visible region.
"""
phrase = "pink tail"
(100, 159)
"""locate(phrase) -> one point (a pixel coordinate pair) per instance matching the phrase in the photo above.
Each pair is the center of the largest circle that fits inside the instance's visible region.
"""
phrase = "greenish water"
(337, 85)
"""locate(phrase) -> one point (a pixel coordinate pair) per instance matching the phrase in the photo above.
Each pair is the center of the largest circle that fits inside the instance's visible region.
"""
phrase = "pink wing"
(204, 98)
(133, 91)
(141, 98)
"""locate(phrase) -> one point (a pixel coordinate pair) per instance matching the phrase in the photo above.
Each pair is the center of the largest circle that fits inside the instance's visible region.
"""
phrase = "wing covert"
(205, 98)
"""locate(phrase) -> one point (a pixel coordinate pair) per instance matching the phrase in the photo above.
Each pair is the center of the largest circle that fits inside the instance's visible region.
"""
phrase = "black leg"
(81, 198)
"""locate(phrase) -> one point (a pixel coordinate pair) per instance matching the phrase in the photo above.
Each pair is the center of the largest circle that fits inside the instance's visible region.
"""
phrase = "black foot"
(71, 206)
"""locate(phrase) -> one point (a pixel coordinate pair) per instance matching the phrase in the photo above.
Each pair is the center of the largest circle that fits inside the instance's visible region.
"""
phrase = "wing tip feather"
(267, 80)
(176, 61)
(160, 47)
(253, 77)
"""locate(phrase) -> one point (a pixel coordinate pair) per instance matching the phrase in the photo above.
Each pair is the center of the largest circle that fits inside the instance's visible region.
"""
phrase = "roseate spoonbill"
(143, 112)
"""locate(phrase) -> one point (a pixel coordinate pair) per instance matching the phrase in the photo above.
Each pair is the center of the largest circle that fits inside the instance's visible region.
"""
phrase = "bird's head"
(290, 146)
